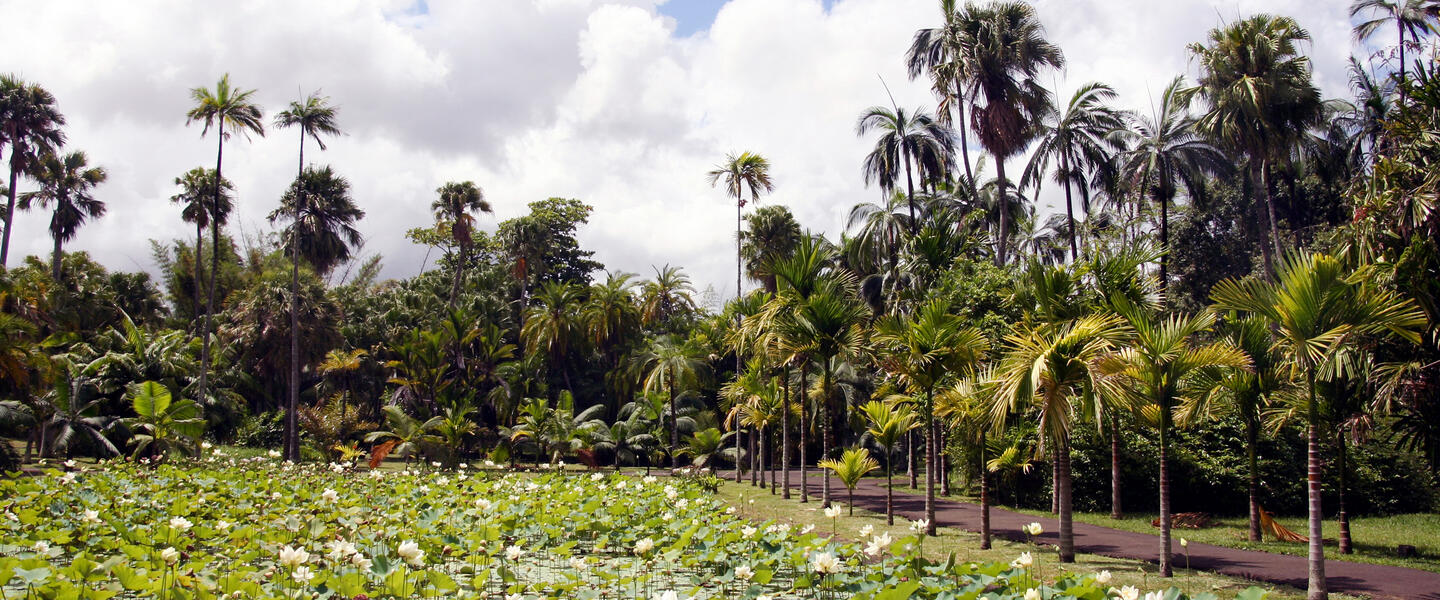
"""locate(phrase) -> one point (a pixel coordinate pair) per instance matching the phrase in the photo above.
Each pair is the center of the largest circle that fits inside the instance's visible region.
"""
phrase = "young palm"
(852, 466)
(229, 110)
(1047, 368)
(554, 326)
(30, 125)
(670, 367)
(196, 187)
(65, 181)
(1260, 96)
(456, 203)
(966, 408)
(1318, 309)
(1076, 140)
(889, 421)
(1162, 367)
(922, 350)
(912, 143)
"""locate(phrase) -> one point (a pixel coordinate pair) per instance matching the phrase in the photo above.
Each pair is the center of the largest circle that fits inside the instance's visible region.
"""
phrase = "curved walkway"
(1379, 581)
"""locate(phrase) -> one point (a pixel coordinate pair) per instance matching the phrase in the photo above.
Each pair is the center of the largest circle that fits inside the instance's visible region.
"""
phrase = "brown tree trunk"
(825, 431)
(785, 435)
(910, 467)
(930, 461)
(1317, 589)
(1251, 439)
(1345, 544)
(1067, 527)
(1002, 243)
(1115, 508)
(1165, 567)
(804, 425)
(984, 497)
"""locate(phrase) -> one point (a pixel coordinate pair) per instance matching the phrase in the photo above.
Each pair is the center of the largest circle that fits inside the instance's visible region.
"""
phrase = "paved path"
(1378, 581)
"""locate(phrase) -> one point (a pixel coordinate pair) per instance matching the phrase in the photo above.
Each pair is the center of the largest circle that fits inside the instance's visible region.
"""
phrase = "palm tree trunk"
(984, 497)
(1270, 213)
(10, 207)
(1115, 511)
(1004, 204)
(1164, 247)
(910, 470)
(825, 431)
(1067, 526)
(674, 429)
(199, 241)
(214, 274)
(1251, 435)
(1070, 208)
(292, 406)
(1317, 588)
(785, 434)
(55, 259)
(930, 462)
(804, 425)
(1399, 28)
(1345, 544)
(943, 459)
(889, 493)
(770, 460)
(964, 143)
(1165, 567)
(1055, 483)
(754, 471)
(910, 194)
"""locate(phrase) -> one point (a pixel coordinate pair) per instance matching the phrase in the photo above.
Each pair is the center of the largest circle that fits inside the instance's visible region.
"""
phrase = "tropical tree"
(1317, 309)
(772, 234)
(162, 424)
(944, 53)
(1166, 152)
(668, 297)
(1075, 139)
(1003, 63)
(888, 422)
(828, 324)
(30, 125)
(611, 319)
(553, 326)
(407, 435)
(909, 141)
(853, 465)
(1260, 98)
(457, 202)
(196, 188)
(66, 181)
(229, 110)
(1410, 17)
(671, 366)
(704, 446)
(746, 170)
(922, 350)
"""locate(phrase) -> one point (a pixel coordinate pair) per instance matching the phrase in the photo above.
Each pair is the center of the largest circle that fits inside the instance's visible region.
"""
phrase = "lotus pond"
(259, 529)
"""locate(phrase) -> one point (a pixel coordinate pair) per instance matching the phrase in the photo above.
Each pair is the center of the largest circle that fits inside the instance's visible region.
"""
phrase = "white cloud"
(587, 99)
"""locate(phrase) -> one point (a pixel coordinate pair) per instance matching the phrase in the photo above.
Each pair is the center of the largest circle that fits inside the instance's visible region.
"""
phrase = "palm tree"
(1317, 310)
(196, 185)
(943, 52)
(1408, 16)
(612, 318)
(1077, 140)
(909, 142)
(323, 215)
(1166, 151)
(1047, 367)
(854, 464)
(740, 172)
(1009, 51)
(889, 421)
(553, 326)
(670, 366)
(666, 298)
(66, 181)
(456, 203)
(30, 125)
(772, 234)
(230, 111)
(828, 324)
(407, 435)
(1160, 369)
(314, 116)
(922, 350)
(1260, 96)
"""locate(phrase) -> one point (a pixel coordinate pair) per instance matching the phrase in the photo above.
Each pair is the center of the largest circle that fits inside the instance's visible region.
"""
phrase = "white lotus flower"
(729, 510)
(293, 557)
(1023, 562)
(91, 516)
(181, 523)
(825, 563)
(1154, 596)
(1034, 528)
(329, 495)
(1128, 593)
(483, 504)
(273, 454)
(596, 476)
(170, 555)
(670, 492)
(866, 530)
(410, 552)
(577, 563)
(764, 597)
(919, 526)
(41, 547)
(206, 445)
(70, 464)
(744, 573)
(682, 503)
(877, 545)
(360, 561)
(67, 478)
(649, 479)
(1184, 543)
(1103, 577)
(514, 597)
(490, 464)
(644, 546)
(302, 575)
(747, 531)
(222, 525)
(833, 511)
(514, 553)
(1032, 594)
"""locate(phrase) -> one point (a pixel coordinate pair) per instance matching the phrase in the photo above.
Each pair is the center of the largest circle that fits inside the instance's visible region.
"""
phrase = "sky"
(623, 104)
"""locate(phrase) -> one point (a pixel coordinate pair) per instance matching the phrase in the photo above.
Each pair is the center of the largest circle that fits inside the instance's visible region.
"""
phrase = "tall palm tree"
(66, 181)
(943, 52)
(1008, 53)
(1161, 368)
(670, 366)
(1047, 368)
(456, 203)
(1261, 99)
(1318, 309)
(667, 297)
(771, 235)
(315, 116)
(611, 319)
(230, 111)
(1166, 152)
(1408, 16)
(922, 350)
(30, 125)
(1076, 139)
(553, 326)
(741, 172)
(888, 422)
(196, 187)
(912, 143)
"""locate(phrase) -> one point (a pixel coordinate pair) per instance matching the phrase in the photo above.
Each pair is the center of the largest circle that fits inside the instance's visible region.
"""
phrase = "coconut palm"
(670, 366)
(1075, 139)
(196, 187)
(66, 181)
(1318, 309)
(1161, 368)
(888, 422)
(457, 202)
(1046, 368)
(853, 465)
(1166, 152)
(230, 111)
(1260, 97)
(922, 350)
(912, 143)
(943, 52)
(1411, 17)
(30, 125)
(1008, 52)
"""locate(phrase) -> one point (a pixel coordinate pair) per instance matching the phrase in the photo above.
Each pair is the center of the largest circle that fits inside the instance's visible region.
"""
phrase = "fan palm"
(456, 203)
(922, 350)
(1317, 310)
(66, 181)
(888, 422)
(1076, 139)
(196, 187)
(1260, 96)
(229, 110)
(30, 125)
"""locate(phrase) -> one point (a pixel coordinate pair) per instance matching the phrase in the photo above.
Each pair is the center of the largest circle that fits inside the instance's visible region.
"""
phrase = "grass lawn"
(760, 505)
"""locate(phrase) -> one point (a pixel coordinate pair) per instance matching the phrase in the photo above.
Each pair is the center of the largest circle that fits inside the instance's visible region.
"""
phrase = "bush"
(265, 430)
